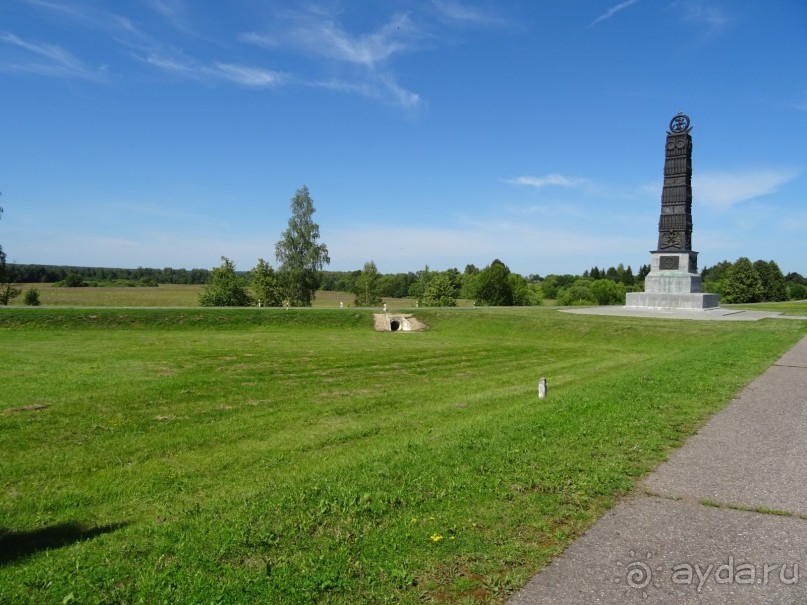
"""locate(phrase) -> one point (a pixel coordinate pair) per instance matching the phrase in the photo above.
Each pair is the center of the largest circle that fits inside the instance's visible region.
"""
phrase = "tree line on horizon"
(495, 285)
(370, 287)
(300, 274)
(106, 276)
(738, 282)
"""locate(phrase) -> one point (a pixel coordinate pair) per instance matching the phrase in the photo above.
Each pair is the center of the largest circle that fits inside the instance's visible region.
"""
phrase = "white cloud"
(550, 179)
(328, 39)
(369, 49)
(46, 60)
(172, 10)
(456, 12)
(404, 97)
(701, 12)
(365, 57)
(256, 39)
(253, 77)
(383, 88)
(360, 88)
(180, 67)
(722, 190)
(612, 11)
(91, 18)
(249, 76)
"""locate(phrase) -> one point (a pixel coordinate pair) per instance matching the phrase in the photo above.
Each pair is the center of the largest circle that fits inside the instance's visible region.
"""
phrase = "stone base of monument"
(694, 301)
(673, 283)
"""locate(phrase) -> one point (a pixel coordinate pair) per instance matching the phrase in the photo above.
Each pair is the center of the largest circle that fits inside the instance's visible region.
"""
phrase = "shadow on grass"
(17, 545)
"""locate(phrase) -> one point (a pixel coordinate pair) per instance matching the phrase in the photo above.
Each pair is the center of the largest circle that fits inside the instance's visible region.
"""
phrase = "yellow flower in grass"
(436, 537)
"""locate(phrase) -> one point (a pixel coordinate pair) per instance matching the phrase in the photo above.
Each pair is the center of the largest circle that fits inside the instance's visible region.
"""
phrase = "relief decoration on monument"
(668, 263)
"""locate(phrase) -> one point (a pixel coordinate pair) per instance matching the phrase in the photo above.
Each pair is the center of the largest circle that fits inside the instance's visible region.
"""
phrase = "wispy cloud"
(253, 77)
(326, 38)
(117, 29)
(394, 37)
(722, 190)
(704, 12)
(341, 58)
(92, 18)
(461, 13)
(555, 179)
(369, 53)
(46, 60)
(612, 11)
(172, 11)
(405, 98)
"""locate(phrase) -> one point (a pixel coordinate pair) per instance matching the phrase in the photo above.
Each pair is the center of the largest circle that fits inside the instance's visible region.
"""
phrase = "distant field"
(168, 295)
(271, 456)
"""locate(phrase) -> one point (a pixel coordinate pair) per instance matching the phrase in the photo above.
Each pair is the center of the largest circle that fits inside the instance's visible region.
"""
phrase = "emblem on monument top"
(680, 124)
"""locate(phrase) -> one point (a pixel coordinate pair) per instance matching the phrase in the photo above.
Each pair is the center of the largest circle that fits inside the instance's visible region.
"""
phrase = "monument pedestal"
(691, 302)
(673, 283)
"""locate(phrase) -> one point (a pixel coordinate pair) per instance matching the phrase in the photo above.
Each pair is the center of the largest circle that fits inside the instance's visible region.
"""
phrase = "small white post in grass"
(541, 388)
(385, 307)
(341, 305)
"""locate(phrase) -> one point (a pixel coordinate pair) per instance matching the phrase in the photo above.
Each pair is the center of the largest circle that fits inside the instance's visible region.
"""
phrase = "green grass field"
(273, 456)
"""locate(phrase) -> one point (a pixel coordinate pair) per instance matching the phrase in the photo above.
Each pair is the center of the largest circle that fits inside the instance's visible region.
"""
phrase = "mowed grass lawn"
(272, 456)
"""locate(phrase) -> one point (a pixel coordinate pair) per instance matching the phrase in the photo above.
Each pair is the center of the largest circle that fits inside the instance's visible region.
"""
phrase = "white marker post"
(541, 388)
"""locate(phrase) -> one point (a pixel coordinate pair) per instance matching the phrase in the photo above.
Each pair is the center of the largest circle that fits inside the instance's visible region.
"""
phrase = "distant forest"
(396, 285)
(741, 281)
(45, 274)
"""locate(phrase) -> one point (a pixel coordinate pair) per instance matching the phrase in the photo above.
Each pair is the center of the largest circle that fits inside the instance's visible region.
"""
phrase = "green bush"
(225, 288)
(439, 292)
(578, 293)
(72, 280)
(797, 291)
(31, 297)
(742, 283)
(608, 292)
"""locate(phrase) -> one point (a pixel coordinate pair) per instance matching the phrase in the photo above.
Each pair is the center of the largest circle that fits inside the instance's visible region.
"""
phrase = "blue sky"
(443, 132)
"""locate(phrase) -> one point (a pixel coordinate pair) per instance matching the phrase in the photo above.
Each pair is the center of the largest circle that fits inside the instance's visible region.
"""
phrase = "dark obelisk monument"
(673, 281)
